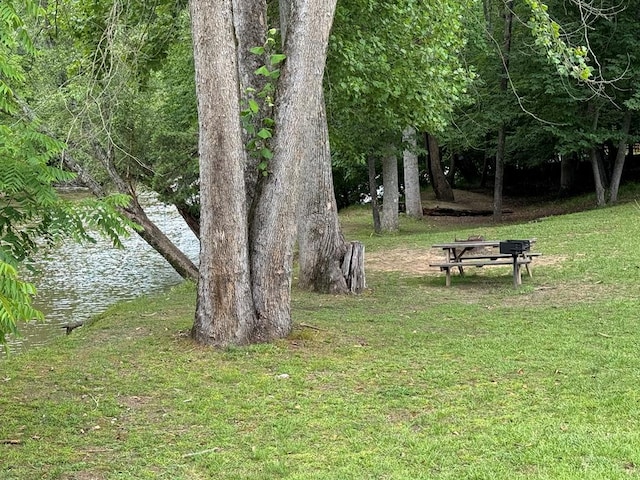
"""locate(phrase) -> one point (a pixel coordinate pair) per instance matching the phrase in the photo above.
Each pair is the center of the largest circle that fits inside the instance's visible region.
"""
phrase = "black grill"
(515, 247)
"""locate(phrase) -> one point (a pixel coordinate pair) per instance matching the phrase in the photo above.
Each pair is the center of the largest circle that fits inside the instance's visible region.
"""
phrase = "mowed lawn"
(410, 380)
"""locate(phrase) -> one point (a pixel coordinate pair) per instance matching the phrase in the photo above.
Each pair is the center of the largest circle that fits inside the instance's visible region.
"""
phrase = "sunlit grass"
(411, 380)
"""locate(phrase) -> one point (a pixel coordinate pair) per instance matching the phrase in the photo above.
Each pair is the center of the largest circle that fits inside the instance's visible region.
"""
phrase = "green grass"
(410, 380)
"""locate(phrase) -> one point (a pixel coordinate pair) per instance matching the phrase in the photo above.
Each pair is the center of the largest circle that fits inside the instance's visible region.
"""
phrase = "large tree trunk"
(412, 200)
(441, 187)
(273, 228)
(320, 243)
(225, 311)
(390, 196)
(246, 255)
(620, 157)
(373, 192)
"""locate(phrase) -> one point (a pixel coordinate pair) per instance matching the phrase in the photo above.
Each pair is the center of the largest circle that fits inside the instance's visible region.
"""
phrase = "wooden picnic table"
(481, 253)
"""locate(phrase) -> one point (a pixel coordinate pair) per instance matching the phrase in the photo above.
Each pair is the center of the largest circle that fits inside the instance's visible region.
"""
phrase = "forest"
(259, 120)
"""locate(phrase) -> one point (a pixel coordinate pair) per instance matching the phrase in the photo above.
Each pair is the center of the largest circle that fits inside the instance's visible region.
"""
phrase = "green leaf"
(266, 153)
(257, 50)
(253, 106)
(277, 58)
(264, 134)
(263, 70)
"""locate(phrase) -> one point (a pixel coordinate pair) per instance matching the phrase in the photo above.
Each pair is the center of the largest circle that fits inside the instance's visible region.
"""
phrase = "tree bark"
(500, 152)
(499, 176)
(451, 174)
(321, 245)
(618, 165)
(441, 187)
(373, 192)
(250, 27)
(225, 311)
(390, 196)
(246, 258)
(273, 228)
(594, 156)
(412, 198)
(151, 234)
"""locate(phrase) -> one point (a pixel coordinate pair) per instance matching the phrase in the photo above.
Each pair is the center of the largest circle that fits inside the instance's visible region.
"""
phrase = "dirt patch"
(415, 262)
(133, 401)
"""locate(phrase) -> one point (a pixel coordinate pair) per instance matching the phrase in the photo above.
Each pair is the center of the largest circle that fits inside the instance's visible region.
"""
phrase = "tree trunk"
(567, 174)
(594, 155)
(225, 311)
(499, 176)
(151, 234)
(246, 257)
(500, 152)
(373, 192)
(390, 195)
(321, 245)
(620, 158)
(441, 187)
(451, 174)
(273, 227)
(486, 163)
(412, 198)
(250, 25)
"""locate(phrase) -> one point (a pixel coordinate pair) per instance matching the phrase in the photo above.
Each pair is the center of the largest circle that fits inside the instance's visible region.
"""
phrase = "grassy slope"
(410, 380)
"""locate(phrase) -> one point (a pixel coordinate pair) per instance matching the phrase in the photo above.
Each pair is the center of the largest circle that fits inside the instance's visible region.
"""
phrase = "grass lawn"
(411, 380)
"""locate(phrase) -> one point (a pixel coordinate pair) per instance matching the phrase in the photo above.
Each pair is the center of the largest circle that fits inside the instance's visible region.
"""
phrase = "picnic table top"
(471, 244)
(468, 244)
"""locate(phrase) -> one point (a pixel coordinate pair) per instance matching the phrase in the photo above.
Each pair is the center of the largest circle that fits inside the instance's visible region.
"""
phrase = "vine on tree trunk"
(257, 117)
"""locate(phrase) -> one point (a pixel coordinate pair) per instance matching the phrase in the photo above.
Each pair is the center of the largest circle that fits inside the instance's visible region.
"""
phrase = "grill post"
(515, 248)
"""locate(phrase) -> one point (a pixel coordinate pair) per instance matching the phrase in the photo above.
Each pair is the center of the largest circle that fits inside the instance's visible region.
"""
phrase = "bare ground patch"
(415, 262)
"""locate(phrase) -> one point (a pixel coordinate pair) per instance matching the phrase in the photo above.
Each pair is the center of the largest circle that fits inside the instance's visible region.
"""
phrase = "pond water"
(76, 282)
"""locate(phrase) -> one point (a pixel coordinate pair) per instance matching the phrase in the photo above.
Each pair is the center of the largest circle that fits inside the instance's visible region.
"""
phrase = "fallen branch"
(11, 441)
(459, 212)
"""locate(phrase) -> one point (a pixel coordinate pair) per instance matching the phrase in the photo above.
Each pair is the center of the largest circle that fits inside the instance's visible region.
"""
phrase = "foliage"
(257, 117)
(567, 60)
(393, 64)
(581, 66)
(31, 212)
(413, 380)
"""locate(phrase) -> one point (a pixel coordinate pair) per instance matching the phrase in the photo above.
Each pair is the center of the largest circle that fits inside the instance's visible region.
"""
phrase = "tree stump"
(353, 267)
